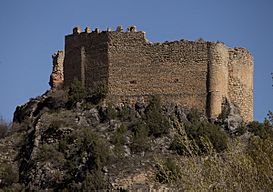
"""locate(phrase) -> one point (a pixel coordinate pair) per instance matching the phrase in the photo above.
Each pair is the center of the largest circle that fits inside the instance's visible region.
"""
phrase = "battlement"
(77, 30)
(195, 74)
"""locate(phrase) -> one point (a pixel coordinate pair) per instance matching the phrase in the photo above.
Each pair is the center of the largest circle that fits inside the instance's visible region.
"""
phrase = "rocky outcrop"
(100, 146)
(56, 77)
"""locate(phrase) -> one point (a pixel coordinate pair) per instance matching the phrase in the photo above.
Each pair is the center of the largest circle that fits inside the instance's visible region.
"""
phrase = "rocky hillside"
(66, 141)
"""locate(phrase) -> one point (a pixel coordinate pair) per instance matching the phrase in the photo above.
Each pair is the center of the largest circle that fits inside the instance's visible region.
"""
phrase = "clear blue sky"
(32, 30)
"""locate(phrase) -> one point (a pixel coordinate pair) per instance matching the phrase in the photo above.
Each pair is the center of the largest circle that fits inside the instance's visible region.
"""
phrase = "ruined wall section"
(57, 77)
(177, 71)
(217, 78)
(86, 58)
(240, 82)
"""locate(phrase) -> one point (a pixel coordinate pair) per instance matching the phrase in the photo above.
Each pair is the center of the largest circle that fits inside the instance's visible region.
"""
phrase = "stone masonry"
(194, 74)
(57, 76)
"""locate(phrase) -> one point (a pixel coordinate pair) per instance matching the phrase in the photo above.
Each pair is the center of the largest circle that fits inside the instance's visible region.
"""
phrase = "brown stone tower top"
(194, 74)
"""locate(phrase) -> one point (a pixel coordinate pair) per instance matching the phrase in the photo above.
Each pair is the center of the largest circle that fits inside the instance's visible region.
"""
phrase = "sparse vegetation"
(119, 140)
(100, 93)
(140, 139)
(3, 127)
(76, 93)
(8, 175)
(167, 171)
(202, 131)
(108, 113)
(157, 123)
(263, 130)
(191, 154)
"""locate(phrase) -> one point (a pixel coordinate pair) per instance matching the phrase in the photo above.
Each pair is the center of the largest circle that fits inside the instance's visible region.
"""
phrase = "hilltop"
(126, 114)
(65, 142)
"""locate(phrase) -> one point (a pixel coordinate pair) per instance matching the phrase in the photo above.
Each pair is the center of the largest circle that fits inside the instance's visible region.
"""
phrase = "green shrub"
(49, 152)
(94, 181)
(167, 171)
(157, 123)
(108, 113)
(179, 145)
(202, 131)
(76, 93)
(263, 130)
(193, 116)
(85, 153)
(242, 129)
(126, 114)
(99, 94)
(119, 139)
(261, 151)
(140, 139)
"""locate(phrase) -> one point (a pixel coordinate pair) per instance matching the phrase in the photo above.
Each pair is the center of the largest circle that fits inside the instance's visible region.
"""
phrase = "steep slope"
(60, 142)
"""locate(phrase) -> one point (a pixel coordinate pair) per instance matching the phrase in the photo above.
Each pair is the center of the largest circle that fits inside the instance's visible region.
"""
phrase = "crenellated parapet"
(77, 30)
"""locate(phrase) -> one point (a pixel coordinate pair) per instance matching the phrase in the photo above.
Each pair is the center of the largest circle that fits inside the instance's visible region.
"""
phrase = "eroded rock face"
(56, 77)
(231, 119)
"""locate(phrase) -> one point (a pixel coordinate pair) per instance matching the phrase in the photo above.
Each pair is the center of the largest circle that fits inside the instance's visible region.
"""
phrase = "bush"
(119, 139)
(167, 171)
(100, 93)
(94, 181)
(263, 130)
(180, 145)
(108, 113)
(202, 131)
(261, 151)
(157, 123)
(85, 155)
(49, 153)
(193, 116)
(76, 93)
(126, 114)
(140, 139)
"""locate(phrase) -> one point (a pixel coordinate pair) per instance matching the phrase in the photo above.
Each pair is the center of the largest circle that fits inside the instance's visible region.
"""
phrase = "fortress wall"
(177, 71)
(217, 78)
(241, 81)
(194, 74)
(86, 58)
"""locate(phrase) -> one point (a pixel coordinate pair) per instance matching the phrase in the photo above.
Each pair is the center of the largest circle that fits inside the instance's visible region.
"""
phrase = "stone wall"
(86, 58)
(177, 71)
(240, 69)
(194, 74)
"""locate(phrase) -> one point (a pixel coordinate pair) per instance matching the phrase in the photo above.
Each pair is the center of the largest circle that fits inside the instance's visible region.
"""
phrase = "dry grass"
(242, 167)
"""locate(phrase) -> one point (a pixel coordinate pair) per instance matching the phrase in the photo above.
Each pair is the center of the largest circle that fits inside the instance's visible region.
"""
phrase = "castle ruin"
(194, 74)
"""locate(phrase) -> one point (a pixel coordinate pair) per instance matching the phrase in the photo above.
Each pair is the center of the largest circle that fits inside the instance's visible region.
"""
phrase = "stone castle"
(195, 74)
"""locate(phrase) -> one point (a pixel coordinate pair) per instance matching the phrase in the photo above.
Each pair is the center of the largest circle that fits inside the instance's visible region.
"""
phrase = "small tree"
(158, 124)
(100, 92)
(76, 93)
